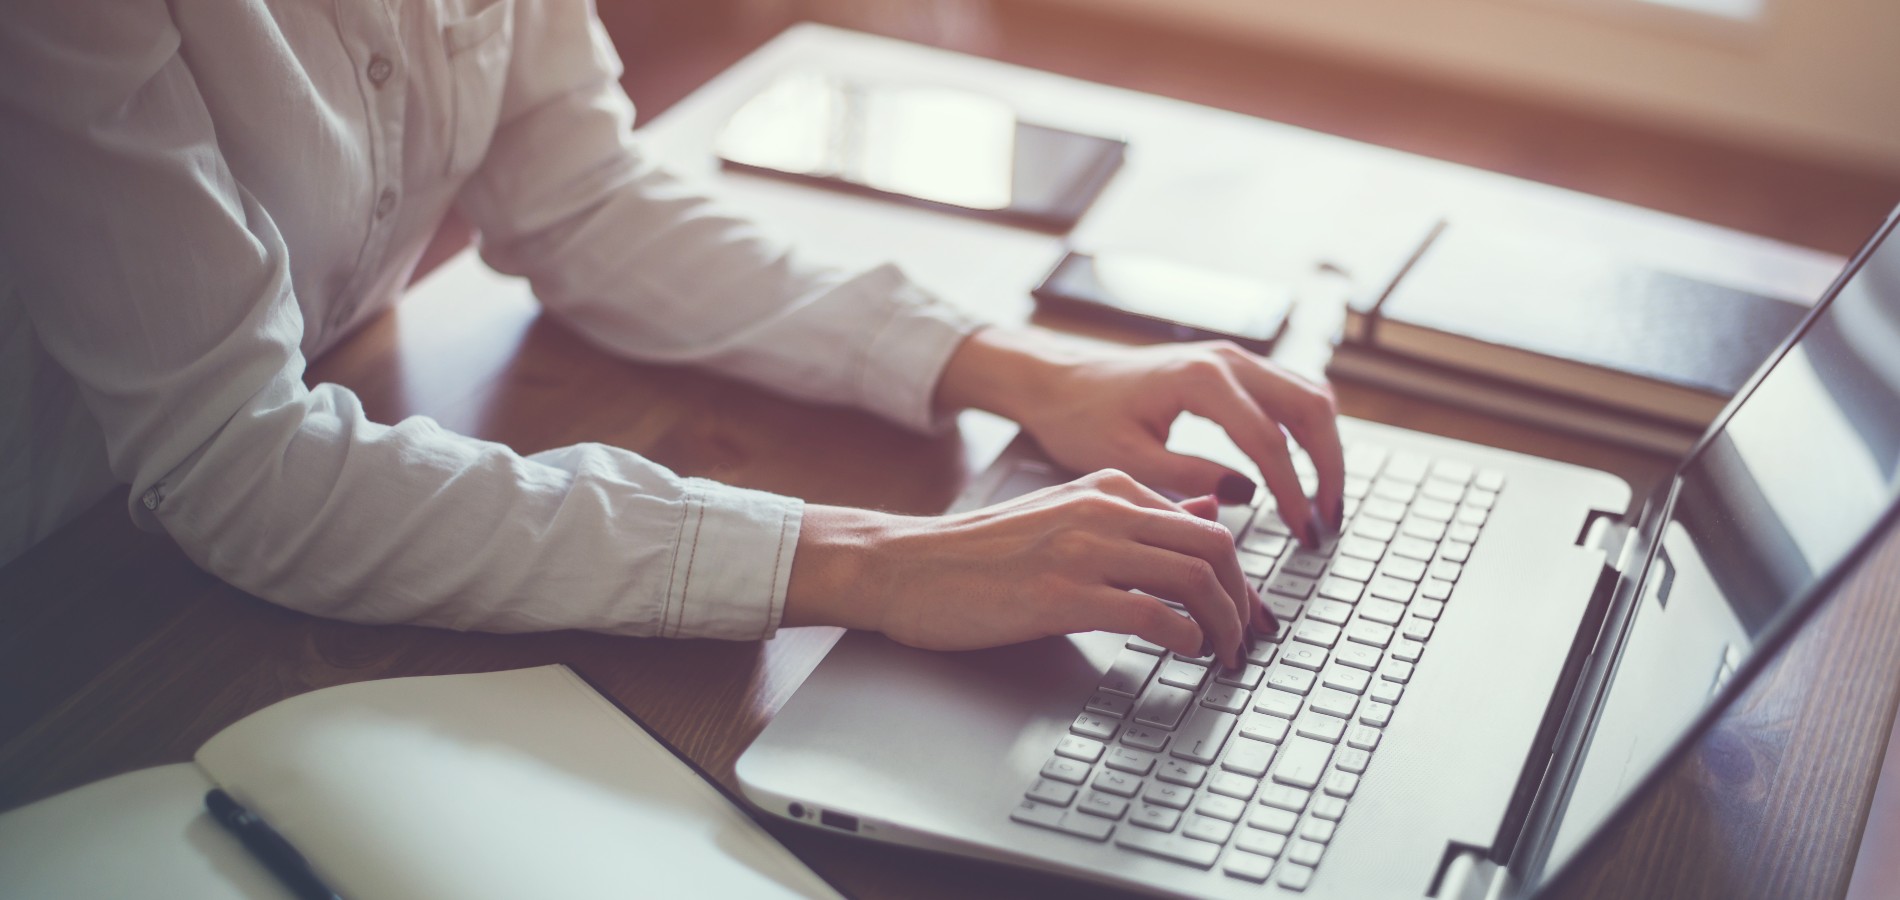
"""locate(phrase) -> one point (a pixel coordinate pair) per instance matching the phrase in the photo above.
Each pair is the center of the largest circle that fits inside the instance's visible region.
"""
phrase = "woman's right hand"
(1062, 560)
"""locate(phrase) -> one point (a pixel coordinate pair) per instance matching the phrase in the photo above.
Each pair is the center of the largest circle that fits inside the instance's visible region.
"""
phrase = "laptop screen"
(1767, 505)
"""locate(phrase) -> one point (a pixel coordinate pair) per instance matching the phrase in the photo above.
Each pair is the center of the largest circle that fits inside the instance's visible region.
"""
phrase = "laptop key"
(1162, 705)
(1346, 678)
(1185, 774)
(1285, 797)
(1490, 480)
(1079, 748)
(1429, 610)
(1396, 670)
(1159, 818)
(1342, 785)
(1235, 516)
(1359, 656)
(1442, 491)
(1482, 499)
(1406, 466)
(1226, 809)
(1364, 460)
(1305, 563)
(1417, 629)
(1352, 759)
(1369, 633)
(1182, 674)
(1320, 727)
(1412, 548)
(1345, 590)
(1199, 854)
(1446, 570)
(1461, 531)
(1066, 770)
(1407, 650)
(1134, 762)
(1378, 715)
(1233, 784)
(1121, 784)
(1203, 734)
(1333, 703)
(1301, 764)
(1352, 568)
(1172, 796)
(1052, 792)
(1286, 609)
(1403, 569)
(1226, 698)
(1257, 565)
(1332, 809)
(1276, 703)
(1081, 824)
(1262, 651)
(1428, 530)
(1388, 588)
(1256, 841)
(1246, 866)
(1472, 515)
(1292, 680)
(1128, 673)
(1384, 508)
(1105, 805)
(1111, 705)
(1306, 853)
(1304, 655)
(1295, 877)
(1394, 490)
(1245, 677)
(1209, 829)
(1032, 813)
(1248, 757)
(1145, 646)
(1318, 830)
(1385, 612)
(1374, 530)
(1144, 738)
(1259, 727)
(1360, 737)
(1433, 509)
(1274, 820)
(1434, 589)
(1456, 551)
(1318, 634)
(1287, 584)
(1093, 725)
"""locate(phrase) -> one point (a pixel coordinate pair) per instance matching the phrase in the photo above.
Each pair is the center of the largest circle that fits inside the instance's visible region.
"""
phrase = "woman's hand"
(1111, 407)
(1061, 560)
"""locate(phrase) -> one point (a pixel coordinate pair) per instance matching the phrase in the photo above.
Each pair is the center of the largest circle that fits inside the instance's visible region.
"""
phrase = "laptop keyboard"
(1253, 770)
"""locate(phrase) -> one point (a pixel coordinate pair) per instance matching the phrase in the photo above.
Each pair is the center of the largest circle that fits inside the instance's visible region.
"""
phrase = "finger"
(1208, 541)
(1104, 608)
(1206, 507)
(1224, 400)
(1190, 475)
(1124, 486)
(1311, 416)
(1188, 580)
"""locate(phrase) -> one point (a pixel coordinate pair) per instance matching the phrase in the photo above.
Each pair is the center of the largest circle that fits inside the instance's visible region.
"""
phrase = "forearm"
(1007, 371)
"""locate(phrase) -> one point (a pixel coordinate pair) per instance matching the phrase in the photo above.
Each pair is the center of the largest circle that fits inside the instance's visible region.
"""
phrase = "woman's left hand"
(1095, 408)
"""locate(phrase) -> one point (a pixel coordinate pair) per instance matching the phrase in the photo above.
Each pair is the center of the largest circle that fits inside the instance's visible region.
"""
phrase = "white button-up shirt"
(198, 196)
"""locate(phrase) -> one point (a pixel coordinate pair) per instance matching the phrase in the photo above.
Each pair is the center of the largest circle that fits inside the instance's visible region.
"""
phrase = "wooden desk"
(117, 653)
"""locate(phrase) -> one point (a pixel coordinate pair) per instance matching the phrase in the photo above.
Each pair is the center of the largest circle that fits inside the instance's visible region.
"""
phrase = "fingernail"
(1310, 532)
(1337, 517)
(1207, 647)
(1235, 490)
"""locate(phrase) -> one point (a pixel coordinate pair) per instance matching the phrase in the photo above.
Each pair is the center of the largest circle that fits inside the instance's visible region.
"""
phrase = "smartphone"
(941, 147)
(1173, 300)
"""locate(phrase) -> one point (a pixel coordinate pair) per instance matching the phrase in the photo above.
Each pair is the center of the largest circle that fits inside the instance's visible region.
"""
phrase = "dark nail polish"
(1335, 518)
(1235, 490)
(1207, 647)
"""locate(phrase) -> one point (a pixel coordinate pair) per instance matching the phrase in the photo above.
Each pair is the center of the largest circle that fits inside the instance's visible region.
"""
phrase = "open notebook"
(506, 784)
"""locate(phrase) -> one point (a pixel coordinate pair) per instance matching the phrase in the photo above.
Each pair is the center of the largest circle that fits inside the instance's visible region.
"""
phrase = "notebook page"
(498, 785)
(143, 834)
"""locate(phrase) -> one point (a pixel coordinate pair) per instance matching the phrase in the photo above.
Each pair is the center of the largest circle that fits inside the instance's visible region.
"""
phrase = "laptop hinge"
(1607, 532)
(1467, 874)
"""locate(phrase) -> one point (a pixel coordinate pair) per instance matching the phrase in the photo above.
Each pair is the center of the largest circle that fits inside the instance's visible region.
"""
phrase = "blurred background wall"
(1780, 117)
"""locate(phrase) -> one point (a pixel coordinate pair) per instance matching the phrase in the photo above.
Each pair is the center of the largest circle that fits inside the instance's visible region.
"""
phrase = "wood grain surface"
(117, 653)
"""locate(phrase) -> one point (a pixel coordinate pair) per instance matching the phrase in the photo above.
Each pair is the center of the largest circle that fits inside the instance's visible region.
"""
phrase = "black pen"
(268, 846)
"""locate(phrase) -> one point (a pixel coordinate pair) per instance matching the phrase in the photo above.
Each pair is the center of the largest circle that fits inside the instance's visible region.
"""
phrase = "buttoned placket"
(372, 39)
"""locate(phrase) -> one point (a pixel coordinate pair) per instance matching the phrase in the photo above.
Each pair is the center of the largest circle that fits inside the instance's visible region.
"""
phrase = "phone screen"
(1202, 302)
(938, 144)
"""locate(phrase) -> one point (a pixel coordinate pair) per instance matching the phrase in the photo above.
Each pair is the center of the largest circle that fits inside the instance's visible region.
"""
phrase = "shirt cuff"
(732, 564)
(907, 356)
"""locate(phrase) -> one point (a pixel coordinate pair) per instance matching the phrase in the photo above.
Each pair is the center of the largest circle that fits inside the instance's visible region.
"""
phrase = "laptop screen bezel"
(1778, 633)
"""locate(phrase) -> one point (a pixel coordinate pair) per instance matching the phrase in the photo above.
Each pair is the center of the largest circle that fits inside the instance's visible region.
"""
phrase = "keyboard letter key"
(1302, 763)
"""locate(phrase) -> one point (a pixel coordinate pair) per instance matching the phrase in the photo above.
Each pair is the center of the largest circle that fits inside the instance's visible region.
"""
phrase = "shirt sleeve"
(157, 281)
(652, 270)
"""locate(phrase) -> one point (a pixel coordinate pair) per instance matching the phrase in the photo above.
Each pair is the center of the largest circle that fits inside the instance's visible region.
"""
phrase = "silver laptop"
(1472, 679)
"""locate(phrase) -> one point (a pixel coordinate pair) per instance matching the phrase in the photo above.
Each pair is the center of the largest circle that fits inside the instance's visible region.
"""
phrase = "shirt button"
(379, 69)
(151, 498)
(386, 203)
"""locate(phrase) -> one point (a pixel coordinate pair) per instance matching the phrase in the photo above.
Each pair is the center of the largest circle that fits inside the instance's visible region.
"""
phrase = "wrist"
(1010, 372)
(832, 580)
